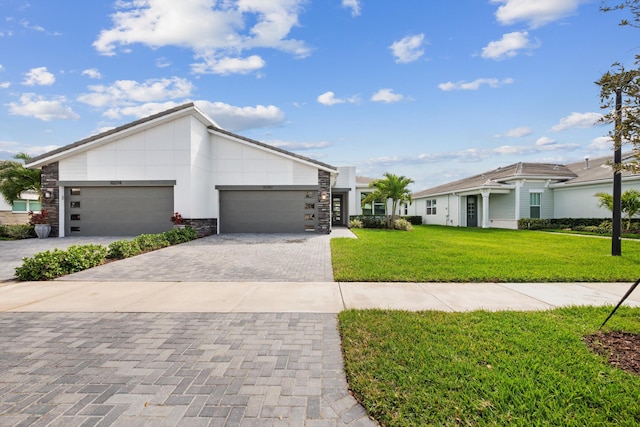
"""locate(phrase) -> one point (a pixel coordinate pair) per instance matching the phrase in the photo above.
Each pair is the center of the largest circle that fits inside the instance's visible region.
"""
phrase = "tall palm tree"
(15, 178)
(629, 201)
(392, 187)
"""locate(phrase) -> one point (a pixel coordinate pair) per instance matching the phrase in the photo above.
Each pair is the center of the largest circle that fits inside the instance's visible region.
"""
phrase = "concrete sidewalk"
(297, 297)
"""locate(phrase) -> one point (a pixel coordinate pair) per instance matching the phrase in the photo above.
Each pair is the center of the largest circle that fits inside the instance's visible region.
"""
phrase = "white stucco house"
(129, 181)
(499, 198)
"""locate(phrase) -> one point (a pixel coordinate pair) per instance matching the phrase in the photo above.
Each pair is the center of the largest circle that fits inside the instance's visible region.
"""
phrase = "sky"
(432, 90)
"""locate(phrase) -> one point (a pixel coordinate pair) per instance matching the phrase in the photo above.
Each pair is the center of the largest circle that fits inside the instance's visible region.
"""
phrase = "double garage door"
(271, 211)
(117, 211)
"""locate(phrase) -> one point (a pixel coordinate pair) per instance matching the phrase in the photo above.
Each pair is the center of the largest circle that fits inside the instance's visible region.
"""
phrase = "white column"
(485, 208)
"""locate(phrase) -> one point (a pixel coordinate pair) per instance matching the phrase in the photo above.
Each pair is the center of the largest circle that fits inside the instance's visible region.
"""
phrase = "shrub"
(402, 224)
(51, 264)
(414, 219)
(355, 223)
(121, 249)
(372, 221)
(180, 235)
(151, 242)
(20, 231)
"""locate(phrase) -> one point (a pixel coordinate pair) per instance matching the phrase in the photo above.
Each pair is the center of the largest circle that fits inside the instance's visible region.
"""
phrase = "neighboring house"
(499, 198)
(18, 211)
(129, 181)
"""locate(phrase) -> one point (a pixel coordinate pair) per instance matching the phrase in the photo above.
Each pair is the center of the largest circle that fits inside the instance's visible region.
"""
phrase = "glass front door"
(336, 210)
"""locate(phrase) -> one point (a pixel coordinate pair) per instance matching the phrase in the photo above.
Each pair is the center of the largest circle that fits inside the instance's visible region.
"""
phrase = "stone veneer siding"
(203, 226)
(49, 182)
(324, 207)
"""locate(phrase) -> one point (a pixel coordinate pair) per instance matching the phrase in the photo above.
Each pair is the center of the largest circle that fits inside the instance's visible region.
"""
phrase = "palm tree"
(629, 201)
(15, 178)
(392, 187)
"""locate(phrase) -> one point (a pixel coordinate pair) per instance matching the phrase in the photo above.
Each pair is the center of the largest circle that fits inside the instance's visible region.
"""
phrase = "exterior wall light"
(47, 195)
(324, 196)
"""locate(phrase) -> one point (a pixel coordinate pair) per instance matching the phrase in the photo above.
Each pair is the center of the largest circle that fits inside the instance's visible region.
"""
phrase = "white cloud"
(329, 99)
(226, 66)
(4, 85)
(545, 141)
(386, 95)
(408, 49)
(299, 146)
(354, 5)
(213, 30)
(32, 105)
(124, 92)
(474, 85)
(518, 132)
(237, 119)
(535, 12)
(39, 77)
(577, 120)
(162, 62)
(601, 143)
(508, 46)
(92, 73)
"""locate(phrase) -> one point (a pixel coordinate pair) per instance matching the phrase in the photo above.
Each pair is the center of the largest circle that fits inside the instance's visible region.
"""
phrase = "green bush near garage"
(52, 264)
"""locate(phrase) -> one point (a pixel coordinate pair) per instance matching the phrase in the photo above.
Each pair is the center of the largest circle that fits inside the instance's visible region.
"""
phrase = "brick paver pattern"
(173, 369)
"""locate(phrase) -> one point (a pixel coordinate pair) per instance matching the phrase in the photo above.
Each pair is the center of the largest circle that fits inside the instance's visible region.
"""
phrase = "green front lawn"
(487, 369)
(452, 254)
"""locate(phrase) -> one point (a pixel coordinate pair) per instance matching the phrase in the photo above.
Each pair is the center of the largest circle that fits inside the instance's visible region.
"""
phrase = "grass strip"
(452, 254)
(486, 369)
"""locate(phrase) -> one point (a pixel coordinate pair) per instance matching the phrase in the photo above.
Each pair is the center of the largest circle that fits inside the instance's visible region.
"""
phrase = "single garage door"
(270, 211)
(117, 211)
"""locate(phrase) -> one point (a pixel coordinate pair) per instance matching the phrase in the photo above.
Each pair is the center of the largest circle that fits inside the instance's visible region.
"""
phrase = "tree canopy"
(392, 187)
(15, 178)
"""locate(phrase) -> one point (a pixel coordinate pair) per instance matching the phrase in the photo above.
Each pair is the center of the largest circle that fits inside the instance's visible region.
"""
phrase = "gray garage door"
(117, 211)
(277, 211)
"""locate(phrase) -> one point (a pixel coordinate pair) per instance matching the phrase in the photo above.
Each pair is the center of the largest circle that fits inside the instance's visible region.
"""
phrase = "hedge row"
(380, 221)
(593, 225)
(51, 264)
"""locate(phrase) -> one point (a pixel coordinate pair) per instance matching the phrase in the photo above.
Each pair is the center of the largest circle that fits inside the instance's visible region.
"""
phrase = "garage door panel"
(263, 211)
(118, 211)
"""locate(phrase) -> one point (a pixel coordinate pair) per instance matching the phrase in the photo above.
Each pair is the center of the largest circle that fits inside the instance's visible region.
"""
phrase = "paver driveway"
(169, 369)
(226, 258)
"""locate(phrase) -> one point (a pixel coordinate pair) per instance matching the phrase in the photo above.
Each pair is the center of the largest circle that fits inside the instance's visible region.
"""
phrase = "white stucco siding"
(445, 208)
(155, 154)
(238, 163)
(199, 202)
(502, 206)
(581, 202)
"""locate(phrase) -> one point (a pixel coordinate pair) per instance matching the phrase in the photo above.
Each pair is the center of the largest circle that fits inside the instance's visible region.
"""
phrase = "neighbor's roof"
(499, 177)
(364, 180)
(597, 170)
(212, 126)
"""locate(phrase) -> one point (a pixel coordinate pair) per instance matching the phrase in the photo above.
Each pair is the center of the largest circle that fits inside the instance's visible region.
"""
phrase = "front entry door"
(336, 210)
(472, 211)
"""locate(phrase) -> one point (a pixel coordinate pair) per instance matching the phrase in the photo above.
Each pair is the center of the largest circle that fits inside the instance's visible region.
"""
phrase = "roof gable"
(153, 120)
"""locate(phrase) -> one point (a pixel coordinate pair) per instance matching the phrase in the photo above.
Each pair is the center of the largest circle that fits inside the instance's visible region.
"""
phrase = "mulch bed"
(621, 348)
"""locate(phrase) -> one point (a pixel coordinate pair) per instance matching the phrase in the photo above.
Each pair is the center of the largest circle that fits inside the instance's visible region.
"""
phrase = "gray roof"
(583, 172)
(501, 177)
(166, 113)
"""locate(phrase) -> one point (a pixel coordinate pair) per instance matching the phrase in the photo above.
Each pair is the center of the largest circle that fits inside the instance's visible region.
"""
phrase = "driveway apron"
(225, 258)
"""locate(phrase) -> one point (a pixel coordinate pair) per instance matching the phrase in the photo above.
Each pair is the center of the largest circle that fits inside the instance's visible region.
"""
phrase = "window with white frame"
(534, 204)
(375, 208)
(431, 206)
(24, 206)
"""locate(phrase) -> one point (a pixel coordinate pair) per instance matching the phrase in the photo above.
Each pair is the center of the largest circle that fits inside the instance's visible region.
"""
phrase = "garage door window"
(75, 192)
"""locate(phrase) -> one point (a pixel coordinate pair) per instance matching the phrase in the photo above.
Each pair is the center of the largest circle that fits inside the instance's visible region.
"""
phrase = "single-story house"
(499, 198)
(130, 180)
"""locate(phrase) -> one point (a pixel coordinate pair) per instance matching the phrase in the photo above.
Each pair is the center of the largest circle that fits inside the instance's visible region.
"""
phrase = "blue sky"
(435, 91)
